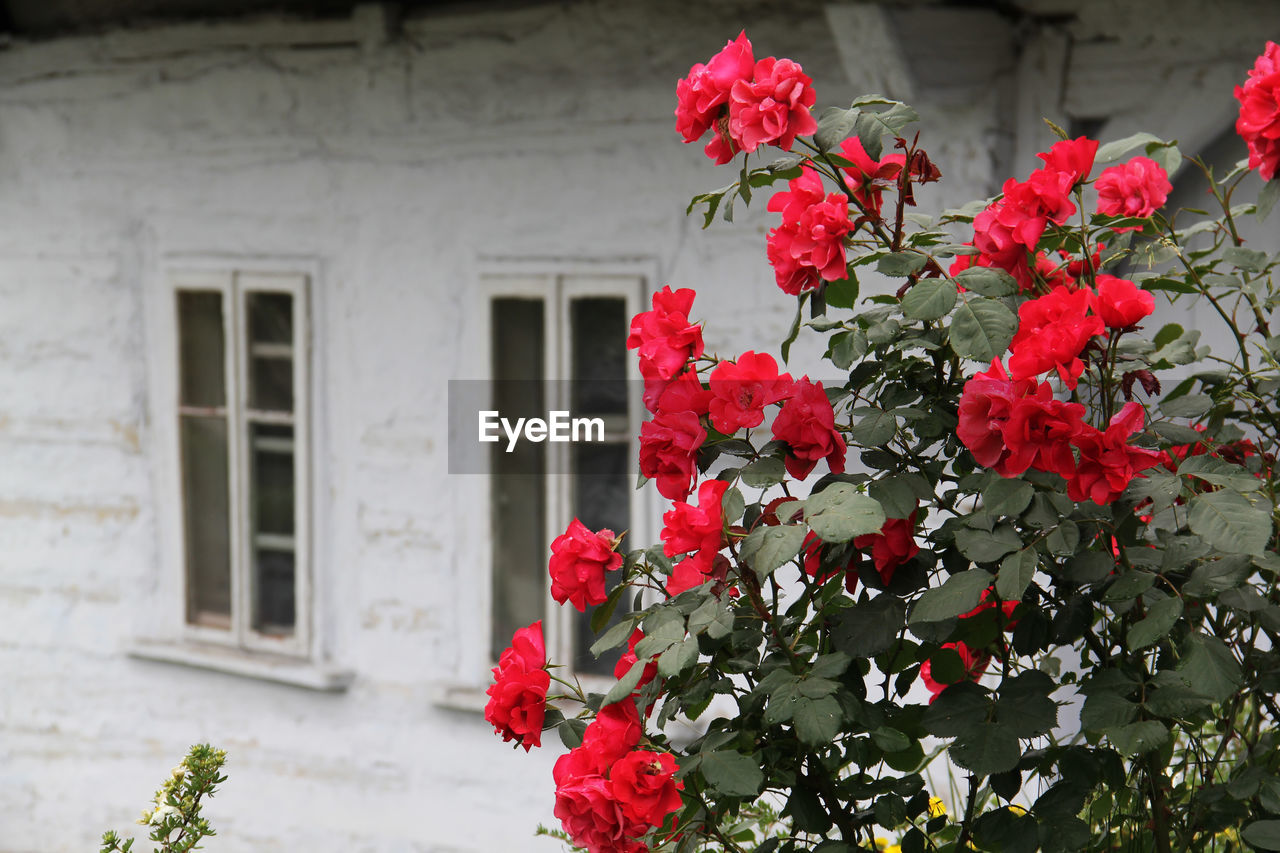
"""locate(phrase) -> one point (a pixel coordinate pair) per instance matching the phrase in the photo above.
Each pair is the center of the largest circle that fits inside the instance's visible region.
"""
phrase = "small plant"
(175, 815)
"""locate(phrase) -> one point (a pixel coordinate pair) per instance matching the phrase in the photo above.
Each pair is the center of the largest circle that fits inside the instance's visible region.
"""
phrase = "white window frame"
(163, 632)
(556, 282)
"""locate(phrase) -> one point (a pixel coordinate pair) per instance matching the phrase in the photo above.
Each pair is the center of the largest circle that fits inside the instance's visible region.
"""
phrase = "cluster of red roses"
(609, 791)
(891, 547)
(734, 398)
(1259, 120)
(746, 103)
(1007, 232)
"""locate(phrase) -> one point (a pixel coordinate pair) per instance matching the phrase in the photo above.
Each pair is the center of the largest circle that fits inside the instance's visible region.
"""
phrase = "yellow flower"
(937, 808)
(1016, 809)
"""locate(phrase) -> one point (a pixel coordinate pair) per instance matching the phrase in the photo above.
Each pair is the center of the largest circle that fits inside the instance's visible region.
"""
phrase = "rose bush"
(1021, 549)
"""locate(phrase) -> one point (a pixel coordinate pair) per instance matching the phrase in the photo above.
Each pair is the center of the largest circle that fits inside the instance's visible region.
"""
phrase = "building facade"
(241, 260)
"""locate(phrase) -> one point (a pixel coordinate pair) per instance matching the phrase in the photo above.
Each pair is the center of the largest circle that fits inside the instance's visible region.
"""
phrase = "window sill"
(281, 670)
(462, 697)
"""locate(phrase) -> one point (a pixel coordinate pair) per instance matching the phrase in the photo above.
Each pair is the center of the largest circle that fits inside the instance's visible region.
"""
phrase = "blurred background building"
(244, 246)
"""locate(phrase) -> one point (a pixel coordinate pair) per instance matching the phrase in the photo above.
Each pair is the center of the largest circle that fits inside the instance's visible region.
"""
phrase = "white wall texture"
(392, 162)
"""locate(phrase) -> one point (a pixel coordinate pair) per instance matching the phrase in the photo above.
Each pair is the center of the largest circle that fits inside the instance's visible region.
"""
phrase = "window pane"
(599, 327)
(518, 481)
(201, 348)
(270, 351)
(274, 613)
(271, 482)
(204, 483)
(601, 499)
(270, 317)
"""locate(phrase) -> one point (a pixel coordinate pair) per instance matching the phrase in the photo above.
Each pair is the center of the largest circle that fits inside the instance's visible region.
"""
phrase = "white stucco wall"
(391, 165)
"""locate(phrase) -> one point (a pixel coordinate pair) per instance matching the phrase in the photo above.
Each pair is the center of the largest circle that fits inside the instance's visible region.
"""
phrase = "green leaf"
(987, 281)
(840, 512)
(1209, 668)
(929, 299)
(1016, 572)
(960, 594)
(1245, 259)
(890, 740)
(817, 721)
(987, 748)
(875, 429)
(902, 263)
(1264, 834)
(1115, 150)
(957, 709)
(767, 548)
(623, 689)
(795, 326)
(1106, 710)
(764, 472)
(1267, 198)
(1187, 406)
(678, 658)
(834, 126)
(1230, 522)
(982, 329)
(982, 546)
(1138, 738)
(896, 495)
(1025, 706)
(1219, 472)
(713, 617)
(1160, 619)
(732, 505)
(1218, 575)
(614, 637)
(1007, 496)
(732, 773)
(872, 126)
(842, 293)
(868, 629)
(1128, 586)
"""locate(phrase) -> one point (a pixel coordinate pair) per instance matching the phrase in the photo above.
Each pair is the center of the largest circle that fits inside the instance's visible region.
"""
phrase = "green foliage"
(174, 815)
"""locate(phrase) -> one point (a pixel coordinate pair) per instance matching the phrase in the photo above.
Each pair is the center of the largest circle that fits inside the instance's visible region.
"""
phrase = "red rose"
(518, 697)
(772, 108)
(590, 815)
(579, 561)
(613, 732)
(975, 664)
(1052, 332)
(988, 602)
(741, 391)
(1259, 121)
(985, 405)
(894, 545)
(669, 442)
(807, 424)
(624, 664)
(695, 528)
(1107, 463)
(1072, 157)
(1044, 194)
(808, 247)
(1003, 235)
(866, 176)
(1135, 188)
(665, 337)
(644, 785)
(1038, 434)
(702, 97)
(694, 570)
(1121, 303)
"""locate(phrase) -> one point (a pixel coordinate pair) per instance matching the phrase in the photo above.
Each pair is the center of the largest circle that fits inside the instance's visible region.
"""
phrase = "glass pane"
(274, 613)
(207, 520)
(601, 499)
(270, 382)
(518, 480)
(270, 317)
(599, 355)
(271, 478)
(201, 348)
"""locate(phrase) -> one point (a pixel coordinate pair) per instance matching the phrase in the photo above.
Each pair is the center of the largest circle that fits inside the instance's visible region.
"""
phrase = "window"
(557, 342)
(242, 430)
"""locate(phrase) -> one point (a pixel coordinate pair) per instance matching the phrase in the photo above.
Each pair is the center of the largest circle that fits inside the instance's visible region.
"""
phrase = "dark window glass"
(270, 354)
(518, 481)
(599, 330)
(207, 520)
(601, 499)
(201, 349)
